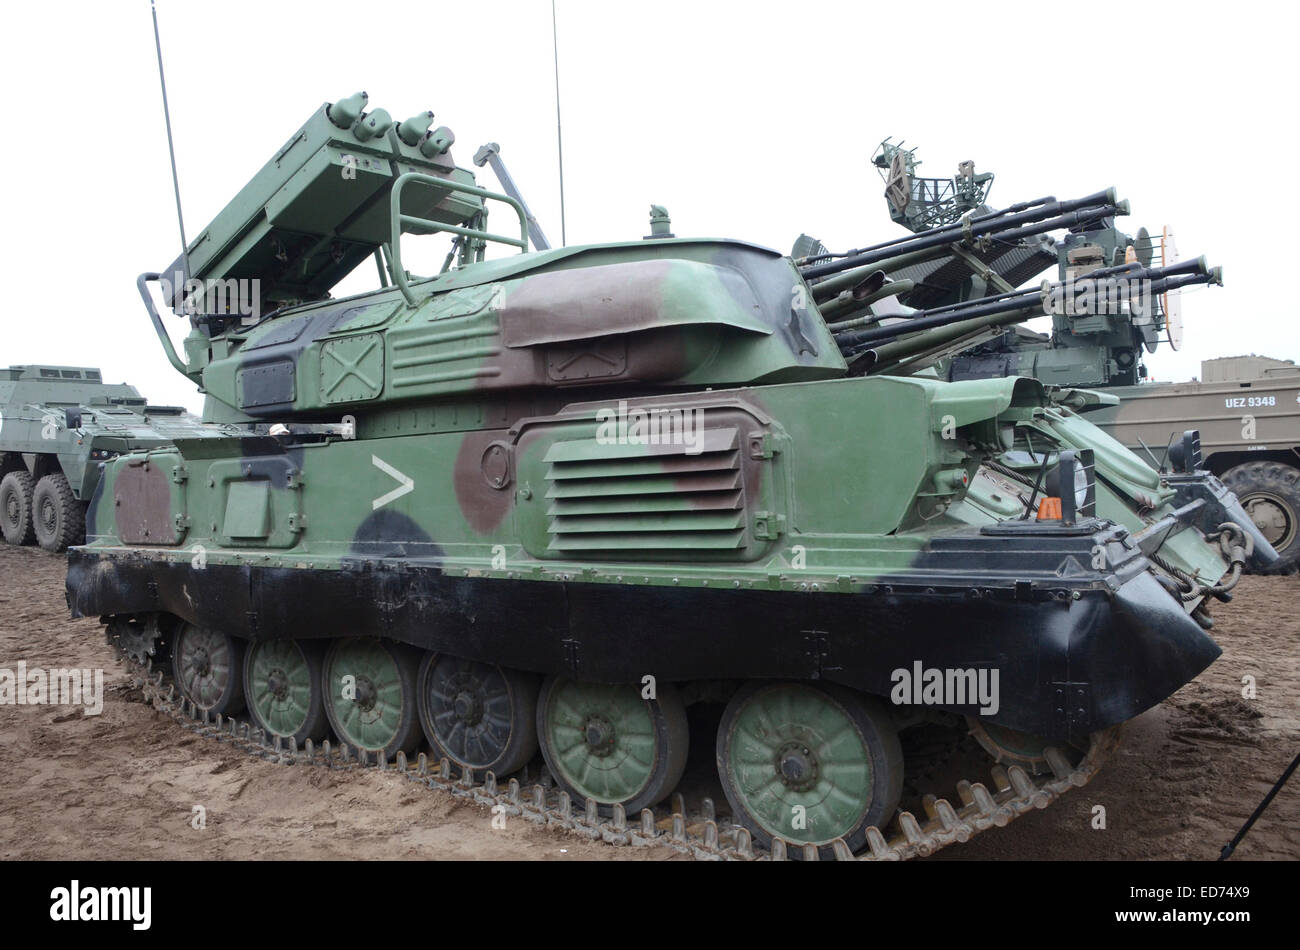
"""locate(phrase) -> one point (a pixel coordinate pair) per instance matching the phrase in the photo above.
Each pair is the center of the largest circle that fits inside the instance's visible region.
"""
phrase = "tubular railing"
(429, 226)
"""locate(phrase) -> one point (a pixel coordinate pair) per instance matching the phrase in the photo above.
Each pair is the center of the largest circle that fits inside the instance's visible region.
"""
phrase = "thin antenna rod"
(171, 150)
(559, 134)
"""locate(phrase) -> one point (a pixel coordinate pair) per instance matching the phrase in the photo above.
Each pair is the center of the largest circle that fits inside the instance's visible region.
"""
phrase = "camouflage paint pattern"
(448, 479)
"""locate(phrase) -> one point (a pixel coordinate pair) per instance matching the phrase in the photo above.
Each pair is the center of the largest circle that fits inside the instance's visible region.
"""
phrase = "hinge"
(815, 648)
(761, 445)
(571, 650)
(1070, 704)
(768, 525)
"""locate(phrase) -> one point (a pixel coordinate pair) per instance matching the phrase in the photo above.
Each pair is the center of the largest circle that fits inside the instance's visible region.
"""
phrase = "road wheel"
(58, 517)
(1270, 493)
(208, 668)
(16, 508)
(605, 742)
(477, 715)
(370, 694)
(282, 684)
(809, 763)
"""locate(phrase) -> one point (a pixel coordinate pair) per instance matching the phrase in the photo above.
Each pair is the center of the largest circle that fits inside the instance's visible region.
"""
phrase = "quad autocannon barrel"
(1133, 285)
(926, 248)
(1008, 224)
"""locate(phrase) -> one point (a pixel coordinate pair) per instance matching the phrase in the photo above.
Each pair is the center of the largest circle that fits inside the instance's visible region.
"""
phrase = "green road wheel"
(370, 694)
(809, 763)
(477, 715)
(208, 668)
(607, 743)
(282, 684)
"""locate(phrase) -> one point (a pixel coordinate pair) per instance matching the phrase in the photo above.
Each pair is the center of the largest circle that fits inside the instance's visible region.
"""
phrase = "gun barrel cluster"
(1045, 214)
(1133, 285)
(878, 338)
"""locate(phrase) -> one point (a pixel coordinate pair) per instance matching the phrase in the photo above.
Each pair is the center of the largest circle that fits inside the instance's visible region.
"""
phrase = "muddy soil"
(125, 784)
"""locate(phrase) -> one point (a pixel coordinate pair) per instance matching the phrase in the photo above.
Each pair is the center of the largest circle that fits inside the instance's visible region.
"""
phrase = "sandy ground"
(124, 784)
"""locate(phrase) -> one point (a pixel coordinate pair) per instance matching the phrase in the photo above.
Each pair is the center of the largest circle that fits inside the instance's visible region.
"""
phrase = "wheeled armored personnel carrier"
(58, 424)
(549, 500)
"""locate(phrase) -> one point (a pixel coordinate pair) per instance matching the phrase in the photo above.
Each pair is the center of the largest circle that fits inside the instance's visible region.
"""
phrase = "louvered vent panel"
(648, 500)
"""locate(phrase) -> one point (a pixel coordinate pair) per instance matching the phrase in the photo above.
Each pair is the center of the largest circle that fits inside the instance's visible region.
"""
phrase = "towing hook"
(1237, 545)
(1234, 541)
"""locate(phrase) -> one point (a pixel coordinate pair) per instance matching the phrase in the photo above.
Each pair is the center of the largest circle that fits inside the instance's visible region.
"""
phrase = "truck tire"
(58, 517)
(16, 508)
(1270, 493)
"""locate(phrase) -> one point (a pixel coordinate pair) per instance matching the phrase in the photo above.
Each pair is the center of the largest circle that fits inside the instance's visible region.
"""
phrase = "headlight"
(1080, 488)
(1073, 480)
(1185, 454)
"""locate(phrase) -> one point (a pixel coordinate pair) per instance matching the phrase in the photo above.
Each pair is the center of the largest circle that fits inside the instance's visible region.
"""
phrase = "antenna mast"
(559, 134)
(171, 150)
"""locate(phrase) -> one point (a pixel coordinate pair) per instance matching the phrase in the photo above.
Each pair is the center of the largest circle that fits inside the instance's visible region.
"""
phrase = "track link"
(700, 835)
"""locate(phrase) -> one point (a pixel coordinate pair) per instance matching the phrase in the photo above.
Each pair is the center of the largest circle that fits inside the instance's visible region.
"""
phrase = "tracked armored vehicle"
(552, 499)
(57, 425)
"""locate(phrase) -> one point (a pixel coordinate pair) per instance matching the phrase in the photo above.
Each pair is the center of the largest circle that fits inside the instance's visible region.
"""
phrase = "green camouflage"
(581, 488)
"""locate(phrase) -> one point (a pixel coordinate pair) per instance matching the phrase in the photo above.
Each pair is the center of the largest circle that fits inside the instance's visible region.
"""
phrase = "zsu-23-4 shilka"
(551, 499)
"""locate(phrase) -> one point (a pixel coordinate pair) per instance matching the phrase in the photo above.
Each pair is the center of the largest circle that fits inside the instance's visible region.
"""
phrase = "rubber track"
(700, 835)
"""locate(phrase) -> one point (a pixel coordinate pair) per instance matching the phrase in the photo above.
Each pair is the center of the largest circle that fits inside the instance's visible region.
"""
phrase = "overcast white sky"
(751, 120)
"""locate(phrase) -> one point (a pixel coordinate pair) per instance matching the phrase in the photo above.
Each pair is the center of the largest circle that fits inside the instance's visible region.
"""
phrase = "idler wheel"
(1010, 747)
(809, 763)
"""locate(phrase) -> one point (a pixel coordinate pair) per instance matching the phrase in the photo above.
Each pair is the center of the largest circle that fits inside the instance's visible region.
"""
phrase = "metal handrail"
(141, 284)
(397, 219)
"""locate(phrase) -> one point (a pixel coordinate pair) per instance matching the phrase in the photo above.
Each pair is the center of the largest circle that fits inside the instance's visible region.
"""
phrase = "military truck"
(58, 425)
(1245, 408)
